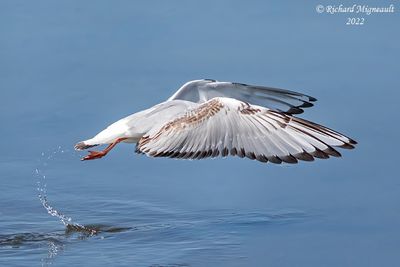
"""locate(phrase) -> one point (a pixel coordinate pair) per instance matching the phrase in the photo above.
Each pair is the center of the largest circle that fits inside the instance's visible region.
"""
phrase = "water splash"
(42, 195)
(186, 232)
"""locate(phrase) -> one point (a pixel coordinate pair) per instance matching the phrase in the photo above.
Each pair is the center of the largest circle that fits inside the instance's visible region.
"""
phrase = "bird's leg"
(100, 154)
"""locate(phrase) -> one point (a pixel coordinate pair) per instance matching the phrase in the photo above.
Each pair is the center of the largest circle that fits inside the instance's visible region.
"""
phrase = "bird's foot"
(94, 155)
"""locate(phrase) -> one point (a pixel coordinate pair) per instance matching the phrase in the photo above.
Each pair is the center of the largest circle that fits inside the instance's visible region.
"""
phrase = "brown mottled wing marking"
(225, 126)
(247, 109)
(202, 113)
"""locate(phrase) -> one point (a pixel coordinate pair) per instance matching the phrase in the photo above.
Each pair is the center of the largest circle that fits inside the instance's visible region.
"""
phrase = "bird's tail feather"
(82, 146)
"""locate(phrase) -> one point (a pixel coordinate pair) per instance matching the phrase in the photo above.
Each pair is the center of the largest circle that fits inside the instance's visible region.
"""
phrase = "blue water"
(70, 68)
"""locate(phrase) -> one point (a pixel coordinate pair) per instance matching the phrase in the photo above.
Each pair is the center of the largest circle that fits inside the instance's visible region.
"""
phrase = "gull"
(208, 118)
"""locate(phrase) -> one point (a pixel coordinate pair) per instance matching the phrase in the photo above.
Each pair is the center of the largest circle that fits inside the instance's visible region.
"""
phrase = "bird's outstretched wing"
(200, 91)
(226, 126)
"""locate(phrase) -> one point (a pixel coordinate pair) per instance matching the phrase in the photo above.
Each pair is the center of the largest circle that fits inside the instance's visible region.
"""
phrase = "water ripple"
(151, 230)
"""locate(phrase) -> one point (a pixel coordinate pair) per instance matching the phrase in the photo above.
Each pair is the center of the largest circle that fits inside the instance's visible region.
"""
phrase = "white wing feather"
(200, 91)
(223, 126)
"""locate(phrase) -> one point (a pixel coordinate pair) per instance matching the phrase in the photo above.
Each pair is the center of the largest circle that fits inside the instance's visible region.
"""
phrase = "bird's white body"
(134, 126)
(206, 118)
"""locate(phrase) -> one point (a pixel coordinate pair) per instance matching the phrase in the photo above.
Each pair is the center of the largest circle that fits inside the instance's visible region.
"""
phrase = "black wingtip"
(353, 142)
(293, 110)
(306, 105)
(347, 146)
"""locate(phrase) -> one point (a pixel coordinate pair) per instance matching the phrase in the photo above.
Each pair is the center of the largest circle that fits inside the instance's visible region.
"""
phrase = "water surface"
(70, 68)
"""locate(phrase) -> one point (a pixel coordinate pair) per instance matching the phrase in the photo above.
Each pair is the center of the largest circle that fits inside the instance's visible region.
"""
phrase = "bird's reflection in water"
(56, 241)
(153, 231)
(93, 229)
(52, 251)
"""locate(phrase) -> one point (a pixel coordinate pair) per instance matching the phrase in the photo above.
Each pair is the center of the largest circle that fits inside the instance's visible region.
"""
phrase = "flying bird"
(209, 118)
